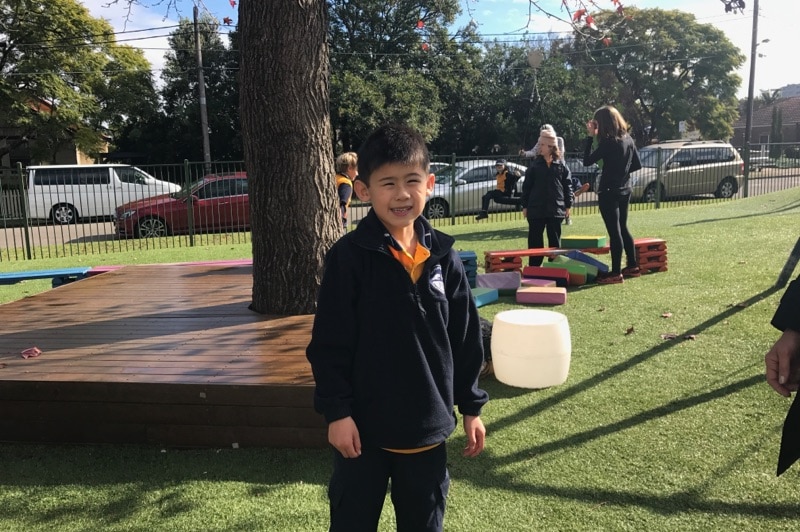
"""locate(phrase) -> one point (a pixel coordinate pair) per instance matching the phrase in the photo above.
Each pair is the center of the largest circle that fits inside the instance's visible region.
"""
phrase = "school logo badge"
(437, 279)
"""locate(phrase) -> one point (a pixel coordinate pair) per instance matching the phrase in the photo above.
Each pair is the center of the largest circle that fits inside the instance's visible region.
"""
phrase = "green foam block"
(581, 242)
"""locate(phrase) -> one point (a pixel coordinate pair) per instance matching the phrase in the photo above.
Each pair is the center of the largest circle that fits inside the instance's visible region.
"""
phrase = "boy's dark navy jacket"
(395, 355)
(788, 317)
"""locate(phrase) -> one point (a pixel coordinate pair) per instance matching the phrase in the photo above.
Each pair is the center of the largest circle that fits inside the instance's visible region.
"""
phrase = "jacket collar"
(372, 234)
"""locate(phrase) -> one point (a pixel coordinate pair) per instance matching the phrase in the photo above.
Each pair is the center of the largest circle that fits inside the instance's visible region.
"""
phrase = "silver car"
(459, 189)
(687, 168)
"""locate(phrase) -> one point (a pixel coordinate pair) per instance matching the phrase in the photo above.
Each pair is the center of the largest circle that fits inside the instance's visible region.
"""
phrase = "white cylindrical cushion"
(531, 348)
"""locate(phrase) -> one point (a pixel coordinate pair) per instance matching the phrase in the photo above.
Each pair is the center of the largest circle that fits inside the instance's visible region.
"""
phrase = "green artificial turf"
(665, 422)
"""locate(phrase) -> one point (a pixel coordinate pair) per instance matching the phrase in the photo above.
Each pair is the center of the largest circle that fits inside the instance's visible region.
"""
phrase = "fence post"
(746, 167)
(189, 200)
(659, 158)
(23, 199)
(453, 190)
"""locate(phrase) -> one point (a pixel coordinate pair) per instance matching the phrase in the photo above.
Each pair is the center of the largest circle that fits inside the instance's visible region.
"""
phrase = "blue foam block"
(484, 296)
(583, 257)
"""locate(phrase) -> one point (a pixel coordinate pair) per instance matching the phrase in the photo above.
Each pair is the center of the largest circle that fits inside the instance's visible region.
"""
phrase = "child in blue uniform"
(396, 346)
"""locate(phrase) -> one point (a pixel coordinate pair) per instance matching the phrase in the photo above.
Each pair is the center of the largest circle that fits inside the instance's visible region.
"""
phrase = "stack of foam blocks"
(503, 264)
(543, 285)
(470, 261)
(651, 254)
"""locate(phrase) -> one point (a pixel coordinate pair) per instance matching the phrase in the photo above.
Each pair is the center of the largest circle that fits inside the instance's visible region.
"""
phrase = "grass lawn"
(647, 433)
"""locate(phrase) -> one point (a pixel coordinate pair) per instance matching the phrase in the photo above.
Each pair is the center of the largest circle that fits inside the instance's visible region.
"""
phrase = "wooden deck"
(162, 354)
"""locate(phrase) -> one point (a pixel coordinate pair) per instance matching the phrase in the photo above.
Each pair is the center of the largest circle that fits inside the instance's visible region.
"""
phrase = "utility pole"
(201, 91)
(748, 128)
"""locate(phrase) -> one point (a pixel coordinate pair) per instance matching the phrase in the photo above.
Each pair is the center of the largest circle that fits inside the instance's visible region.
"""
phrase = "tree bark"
(284, 80)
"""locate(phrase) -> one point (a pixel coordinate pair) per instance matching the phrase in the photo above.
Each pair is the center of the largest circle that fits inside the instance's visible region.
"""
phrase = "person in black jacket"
(396, 345)
(618, 152)
(546, 195)
(782, 364)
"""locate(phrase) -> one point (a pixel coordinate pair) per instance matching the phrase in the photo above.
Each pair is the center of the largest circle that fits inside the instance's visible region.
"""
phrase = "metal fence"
(29, 230)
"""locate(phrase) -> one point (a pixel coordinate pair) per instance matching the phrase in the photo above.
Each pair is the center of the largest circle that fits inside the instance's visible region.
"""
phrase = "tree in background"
(63, 78)
(173, 133)
(380, 65)
(669, 69)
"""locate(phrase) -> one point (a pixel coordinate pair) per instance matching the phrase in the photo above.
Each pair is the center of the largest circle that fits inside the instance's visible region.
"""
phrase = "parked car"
(67, 193)
(687, 168)
(219, 203)
(459, 189)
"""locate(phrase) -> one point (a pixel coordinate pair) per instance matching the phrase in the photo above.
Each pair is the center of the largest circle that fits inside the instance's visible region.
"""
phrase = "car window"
(444, 174)
(239, 186)
(131, 175)
(649, 156)
(216, 189)
(477, 175)
(71, 176)
(683, 158)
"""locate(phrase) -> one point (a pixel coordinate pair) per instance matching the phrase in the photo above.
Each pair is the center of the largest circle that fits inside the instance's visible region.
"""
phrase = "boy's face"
(352, 172)
(397, 192)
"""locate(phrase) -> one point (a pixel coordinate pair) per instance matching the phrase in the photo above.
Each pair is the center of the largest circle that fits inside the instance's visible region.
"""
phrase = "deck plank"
(166, 354)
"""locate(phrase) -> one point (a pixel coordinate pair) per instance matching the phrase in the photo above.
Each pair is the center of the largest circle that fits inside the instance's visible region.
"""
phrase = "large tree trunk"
(287, 149)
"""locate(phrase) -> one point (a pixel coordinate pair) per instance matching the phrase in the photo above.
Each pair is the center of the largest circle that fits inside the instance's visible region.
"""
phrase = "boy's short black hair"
(392, 143)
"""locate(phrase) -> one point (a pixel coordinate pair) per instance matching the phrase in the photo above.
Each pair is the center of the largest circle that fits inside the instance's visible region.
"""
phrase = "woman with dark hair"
(619, 155)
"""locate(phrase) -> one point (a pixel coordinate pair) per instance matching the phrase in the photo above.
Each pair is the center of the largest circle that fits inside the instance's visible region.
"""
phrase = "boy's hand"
(782, 363)
(476, 436)
(343, 435)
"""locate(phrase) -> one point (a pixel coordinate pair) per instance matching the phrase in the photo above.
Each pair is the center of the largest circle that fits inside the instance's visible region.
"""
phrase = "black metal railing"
(39, 219)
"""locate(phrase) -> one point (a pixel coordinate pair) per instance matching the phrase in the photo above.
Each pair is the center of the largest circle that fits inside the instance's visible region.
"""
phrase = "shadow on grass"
(120, 481)
(786, 208)
(688, 500)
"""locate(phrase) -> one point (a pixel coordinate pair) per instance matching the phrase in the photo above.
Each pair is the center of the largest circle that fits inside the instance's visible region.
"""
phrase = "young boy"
(396, 343)
(346, 173)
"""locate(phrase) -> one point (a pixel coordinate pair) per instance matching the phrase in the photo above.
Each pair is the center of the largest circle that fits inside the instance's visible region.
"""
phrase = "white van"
(67, 193)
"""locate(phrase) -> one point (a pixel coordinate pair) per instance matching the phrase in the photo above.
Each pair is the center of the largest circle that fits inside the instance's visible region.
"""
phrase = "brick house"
(14, 149)
(761, 125)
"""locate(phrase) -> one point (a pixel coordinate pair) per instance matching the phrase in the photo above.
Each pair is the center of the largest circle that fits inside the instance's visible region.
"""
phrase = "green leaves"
(61, 73)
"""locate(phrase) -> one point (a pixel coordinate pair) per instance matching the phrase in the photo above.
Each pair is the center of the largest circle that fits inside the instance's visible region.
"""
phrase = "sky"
(775, 68)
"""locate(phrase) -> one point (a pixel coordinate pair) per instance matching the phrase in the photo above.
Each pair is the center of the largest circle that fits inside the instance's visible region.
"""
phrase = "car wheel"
(64, 214)
(650, 193)
(436, 208)
(727, 188)
(151, 228)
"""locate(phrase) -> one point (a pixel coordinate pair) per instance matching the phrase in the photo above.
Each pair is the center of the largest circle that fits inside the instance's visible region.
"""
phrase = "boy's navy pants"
(419, 486)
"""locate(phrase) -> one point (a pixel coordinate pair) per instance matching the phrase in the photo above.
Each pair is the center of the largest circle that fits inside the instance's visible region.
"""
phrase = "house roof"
(762, 117)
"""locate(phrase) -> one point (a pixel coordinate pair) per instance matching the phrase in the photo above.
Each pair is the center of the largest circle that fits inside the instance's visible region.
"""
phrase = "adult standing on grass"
(546, 195)
(782, 363)
(396, 344)
(618, 153)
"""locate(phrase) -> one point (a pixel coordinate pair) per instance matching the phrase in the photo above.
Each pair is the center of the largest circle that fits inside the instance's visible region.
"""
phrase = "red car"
(219, 203)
